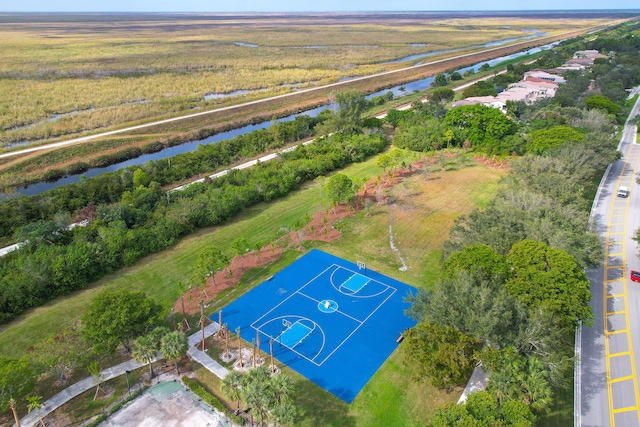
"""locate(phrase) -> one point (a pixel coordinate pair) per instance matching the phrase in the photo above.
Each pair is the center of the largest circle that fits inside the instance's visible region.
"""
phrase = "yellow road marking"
(617, 380)
(628, 408)
(618, 204)
(622, 353)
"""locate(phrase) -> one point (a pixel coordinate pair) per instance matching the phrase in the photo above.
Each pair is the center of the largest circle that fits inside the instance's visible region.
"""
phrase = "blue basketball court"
(329, 319)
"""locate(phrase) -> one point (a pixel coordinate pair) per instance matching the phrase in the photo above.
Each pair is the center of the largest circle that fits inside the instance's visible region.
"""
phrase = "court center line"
(337, 311)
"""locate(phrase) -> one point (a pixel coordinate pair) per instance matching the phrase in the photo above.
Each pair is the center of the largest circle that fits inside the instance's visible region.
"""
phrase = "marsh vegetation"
(63, 78)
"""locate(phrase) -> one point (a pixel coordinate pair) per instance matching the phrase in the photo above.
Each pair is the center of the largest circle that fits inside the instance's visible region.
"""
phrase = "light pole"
(126, 373)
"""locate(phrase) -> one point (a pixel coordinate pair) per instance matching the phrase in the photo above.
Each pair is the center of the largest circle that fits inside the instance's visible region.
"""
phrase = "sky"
(303, 5)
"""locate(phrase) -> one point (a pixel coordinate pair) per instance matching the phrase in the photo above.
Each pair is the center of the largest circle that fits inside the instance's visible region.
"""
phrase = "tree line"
(57, 261)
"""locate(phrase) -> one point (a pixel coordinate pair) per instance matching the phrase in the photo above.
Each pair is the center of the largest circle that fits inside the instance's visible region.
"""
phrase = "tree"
(115, 317)
(257, 247)
(442, 355)
(140, 178)
(174, 346)
(477, 306)
(601, 102)
(209, 261)
(284, 413)
(256, 392)
(41, 232)
(449, 136)
(479, 124)
(442, 94)
(351, 104)
(94, 370)
(543, 140)
(481, 88)
(340, 189)
(145, 350)
(35, 404)
(155, 336)
(240, 246)
(182, 290)
(440, 80)
(283, 386)
(394, 117)
(17, 380)
(477, 260)
(521, 378)
(384, 161)
(59, 353)
(550, 279)
(232, 386)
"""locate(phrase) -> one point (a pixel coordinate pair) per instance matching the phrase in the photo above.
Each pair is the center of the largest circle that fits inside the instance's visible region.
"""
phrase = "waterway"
(398, 91)
(486, 45)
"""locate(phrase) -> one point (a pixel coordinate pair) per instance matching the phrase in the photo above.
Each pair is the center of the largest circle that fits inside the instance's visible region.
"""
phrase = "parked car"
(635, 275)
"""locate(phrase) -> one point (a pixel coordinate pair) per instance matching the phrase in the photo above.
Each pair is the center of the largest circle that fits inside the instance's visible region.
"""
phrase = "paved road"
(607, 391)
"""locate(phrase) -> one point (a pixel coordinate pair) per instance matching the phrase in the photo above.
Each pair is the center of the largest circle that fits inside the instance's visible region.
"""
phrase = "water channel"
(168, 152)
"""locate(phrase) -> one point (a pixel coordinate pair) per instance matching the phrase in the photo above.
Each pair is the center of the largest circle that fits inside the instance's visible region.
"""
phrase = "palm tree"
(201, 322)
(239, 347)
(536, 390)
(282, 386)
(145, 350)
(226, 340)
(232, 387)
(35, 403)
(284, 413)
(256, 394)
(174, 346)
(182, 289)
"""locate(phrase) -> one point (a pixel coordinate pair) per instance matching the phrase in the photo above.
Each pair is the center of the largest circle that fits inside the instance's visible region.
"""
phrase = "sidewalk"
(81, 386)
(201, 357)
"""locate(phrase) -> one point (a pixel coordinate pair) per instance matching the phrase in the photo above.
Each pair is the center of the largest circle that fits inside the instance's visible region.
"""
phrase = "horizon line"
(328, 11)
